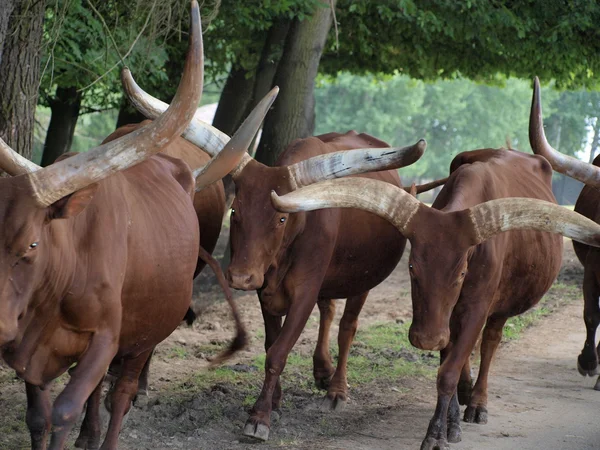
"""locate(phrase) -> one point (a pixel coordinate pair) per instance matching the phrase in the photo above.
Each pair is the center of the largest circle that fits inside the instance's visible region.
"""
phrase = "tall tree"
(6, 9)
(293, 114)
(20, 74)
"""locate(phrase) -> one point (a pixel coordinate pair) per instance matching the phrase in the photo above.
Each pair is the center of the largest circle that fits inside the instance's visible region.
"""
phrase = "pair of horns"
(323, 167)
(72, 174)
(567, 165)
(399, 207)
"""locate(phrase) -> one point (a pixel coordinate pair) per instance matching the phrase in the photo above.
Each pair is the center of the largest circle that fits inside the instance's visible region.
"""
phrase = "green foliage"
(452, 115)
(477, 39)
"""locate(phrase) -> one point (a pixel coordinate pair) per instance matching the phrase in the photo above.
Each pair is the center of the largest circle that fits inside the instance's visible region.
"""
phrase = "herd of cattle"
(100, 249)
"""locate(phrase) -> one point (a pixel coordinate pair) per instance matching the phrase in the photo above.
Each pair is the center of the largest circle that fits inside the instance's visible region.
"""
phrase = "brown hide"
(588, 205)
(209, 203)
(295, 260)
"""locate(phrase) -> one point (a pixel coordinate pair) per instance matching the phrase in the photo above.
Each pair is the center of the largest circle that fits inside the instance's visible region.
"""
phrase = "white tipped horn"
(351, 162)
(69, 175)
(567, 165)
(235, 150)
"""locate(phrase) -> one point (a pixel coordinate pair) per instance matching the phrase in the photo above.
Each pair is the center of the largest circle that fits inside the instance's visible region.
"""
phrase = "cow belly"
(367, 250)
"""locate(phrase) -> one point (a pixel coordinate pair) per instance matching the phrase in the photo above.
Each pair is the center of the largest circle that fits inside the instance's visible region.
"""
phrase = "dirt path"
(538, 400)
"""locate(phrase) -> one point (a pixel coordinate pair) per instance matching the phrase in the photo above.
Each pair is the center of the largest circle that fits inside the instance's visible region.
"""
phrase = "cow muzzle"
(246, 281)
(425, 340)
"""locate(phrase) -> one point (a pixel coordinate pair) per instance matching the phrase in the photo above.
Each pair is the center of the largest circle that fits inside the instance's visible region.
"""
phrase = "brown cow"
(286, 253)
(98, 254)
(465, 273)
(588, 204)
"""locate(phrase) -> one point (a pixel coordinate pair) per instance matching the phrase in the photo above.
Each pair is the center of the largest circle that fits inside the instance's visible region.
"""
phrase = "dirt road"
(538, 400)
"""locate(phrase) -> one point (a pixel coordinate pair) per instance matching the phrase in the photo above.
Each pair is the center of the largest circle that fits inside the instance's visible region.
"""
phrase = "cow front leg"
(587, 362)
(443, 425)
(38, 417)
(322, 366)
(337, 394)
(476, 411)
(91, 427)
(122, 395)
(86, 376)
(272, 330)
(258, 425)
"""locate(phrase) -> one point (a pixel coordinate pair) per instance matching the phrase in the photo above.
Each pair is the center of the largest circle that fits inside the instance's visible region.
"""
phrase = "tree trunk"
(128, 114)
(293, 114)
(6, 9)
(595, 140)
(236, 95)
(20, 75)
(64, 113)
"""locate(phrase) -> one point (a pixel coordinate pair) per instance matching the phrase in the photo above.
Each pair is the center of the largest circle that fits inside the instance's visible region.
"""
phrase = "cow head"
(440, 241)
(259, 233)
(33, 197)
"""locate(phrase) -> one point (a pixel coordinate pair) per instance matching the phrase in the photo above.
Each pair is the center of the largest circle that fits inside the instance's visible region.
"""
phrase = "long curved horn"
(67, 176)
(229, 158)
(505, 214)
(398, 207)
(580, 170)
(384, 199)
(199, 133)
(13, 163)
(350, 162)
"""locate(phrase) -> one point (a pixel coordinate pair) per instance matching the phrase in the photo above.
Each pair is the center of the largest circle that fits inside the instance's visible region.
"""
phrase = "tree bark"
(128, 114)
(64, 113)
(20, 75)
(234, 100)
(293, 113)
(6, 9)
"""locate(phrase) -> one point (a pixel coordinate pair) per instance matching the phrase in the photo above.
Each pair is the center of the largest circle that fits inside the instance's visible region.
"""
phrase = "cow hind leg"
(91, 427)
(476, 411)
(39, 415)
(122, 395)
(141, 398)
(322, 366)
(337, 394)
(587, 362)
(465, 385)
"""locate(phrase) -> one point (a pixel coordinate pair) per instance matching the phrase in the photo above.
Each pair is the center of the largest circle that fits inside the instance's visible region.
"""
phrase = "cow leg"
(122, 395)
(465, 384)
(84, 379)
(337, 393)
(322, 366)
(587, 362)
(476, 411)
(141, 398)
(258, 424)
(272, 330)
(471, 320)
(38, 417)
(89, 435)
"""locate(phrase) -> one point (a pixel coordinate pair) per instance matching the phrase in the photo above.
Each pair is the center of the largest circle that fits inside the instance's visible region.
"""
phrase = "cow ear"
(72, 204)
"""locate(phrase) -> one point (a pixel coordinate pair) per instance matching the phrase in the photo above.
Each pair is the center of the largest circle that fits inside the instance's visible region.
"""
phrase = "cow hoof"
(256, 430)
(323, 381)
(333, 403)
(431, 443)
(463, 391)
(454, 433)
(587, 369)
(476, 414)
(84, 443)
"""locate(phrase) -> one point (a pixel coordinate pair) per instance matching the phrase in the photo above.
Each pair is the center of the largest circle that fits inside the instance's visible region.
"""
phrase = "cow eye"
(232, 211)
(33, 245)
(282, 220)
(410, 266)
